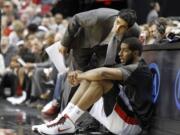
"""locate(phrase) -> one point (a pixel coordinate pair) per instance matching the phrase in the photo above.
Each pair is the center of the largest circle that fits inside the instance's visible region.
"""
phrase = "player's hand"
(72, 78)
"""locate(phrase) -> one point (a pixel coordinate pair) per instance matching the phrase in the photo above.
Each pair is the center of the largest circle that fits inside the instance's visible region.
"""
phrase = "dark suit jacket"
(91, 28)
(88, 29)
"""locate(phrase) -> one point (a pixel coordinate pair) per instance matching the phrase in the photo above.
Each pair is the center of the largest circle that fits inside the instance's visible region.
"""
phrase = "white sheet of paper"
(56, 57)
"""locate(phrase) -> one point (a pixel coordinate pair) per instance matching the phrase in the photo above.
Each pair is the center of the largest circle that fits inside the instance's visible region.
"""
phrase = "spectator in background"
(58, 26)
(158, 31)
(24, 19)
(146, 36)
(53, 107)
(7, 50)
(161, 24)
(9, 11)
(46, 22)
(39, 77)
(32, 29)
(33, 13)
(153, 14)
(9, 78)
(17, 33)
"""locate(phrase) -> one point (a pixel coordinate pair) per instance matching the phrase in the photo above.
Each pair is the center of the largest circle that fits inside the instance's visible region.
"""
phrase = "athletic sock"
(68, 108)
(75, 113)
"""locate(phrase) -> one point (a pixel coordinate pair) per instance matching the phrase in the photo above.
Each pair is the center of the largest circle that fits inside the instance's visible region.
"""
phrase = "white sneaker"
(11, 99)
(21, 99)
(62, 126)
(47, 106)
(17, 100)
(36, 127)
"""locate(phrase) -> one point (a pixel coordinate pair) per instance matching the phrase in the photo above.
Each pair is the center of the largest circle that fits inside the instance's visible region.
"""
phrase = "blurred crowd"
(159, 30)
(25, 33)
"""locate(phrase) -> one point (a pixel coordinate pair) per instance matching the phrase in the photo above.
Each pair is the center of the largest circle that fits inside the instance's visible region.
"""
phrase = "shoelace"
(57, 122)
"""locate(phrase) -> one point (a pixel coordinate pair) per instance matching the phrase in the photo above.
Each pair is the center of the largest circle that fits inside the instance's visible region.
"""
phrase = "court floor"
(20, 118)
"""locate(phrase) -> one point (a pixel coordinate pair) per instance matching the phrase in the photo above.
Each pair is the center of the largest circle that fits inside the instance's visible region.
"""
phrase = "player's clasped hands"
(72, 77)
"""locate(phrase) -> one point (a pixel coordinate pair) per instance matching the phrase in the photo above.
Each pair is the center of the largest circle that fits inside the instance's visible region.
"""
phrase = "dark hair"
(134, 44)
(161, 28)
(153, 4)
(128, 15)
(32, 27)
(161, 24)
(134, 31)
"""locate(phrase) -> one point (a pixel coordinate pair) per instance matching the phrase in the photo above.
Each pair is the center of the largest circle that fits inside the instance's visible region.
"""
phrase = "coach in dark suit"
(89, 34)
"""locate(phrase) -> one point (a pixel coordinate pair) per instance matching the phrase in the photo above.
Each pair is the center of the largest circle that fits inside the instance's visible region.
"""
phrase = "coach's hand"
(63, 50)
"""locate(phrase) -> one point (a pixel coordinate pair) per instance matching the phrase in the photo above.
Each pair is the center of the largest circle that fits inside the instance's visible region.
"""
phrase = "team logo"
(156, 81)
(177, 90)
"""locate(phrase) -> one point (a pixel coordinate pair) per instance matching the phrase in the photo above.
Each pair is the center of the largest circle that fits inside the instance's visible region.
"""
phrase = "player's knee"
(104, 86)
(85, 82)
(96, 84)
(107, 85)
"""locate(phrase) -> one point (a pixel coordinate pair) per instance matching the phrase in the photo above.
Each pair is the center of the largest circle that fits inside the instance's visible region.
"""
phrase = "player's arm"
(103, 73)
